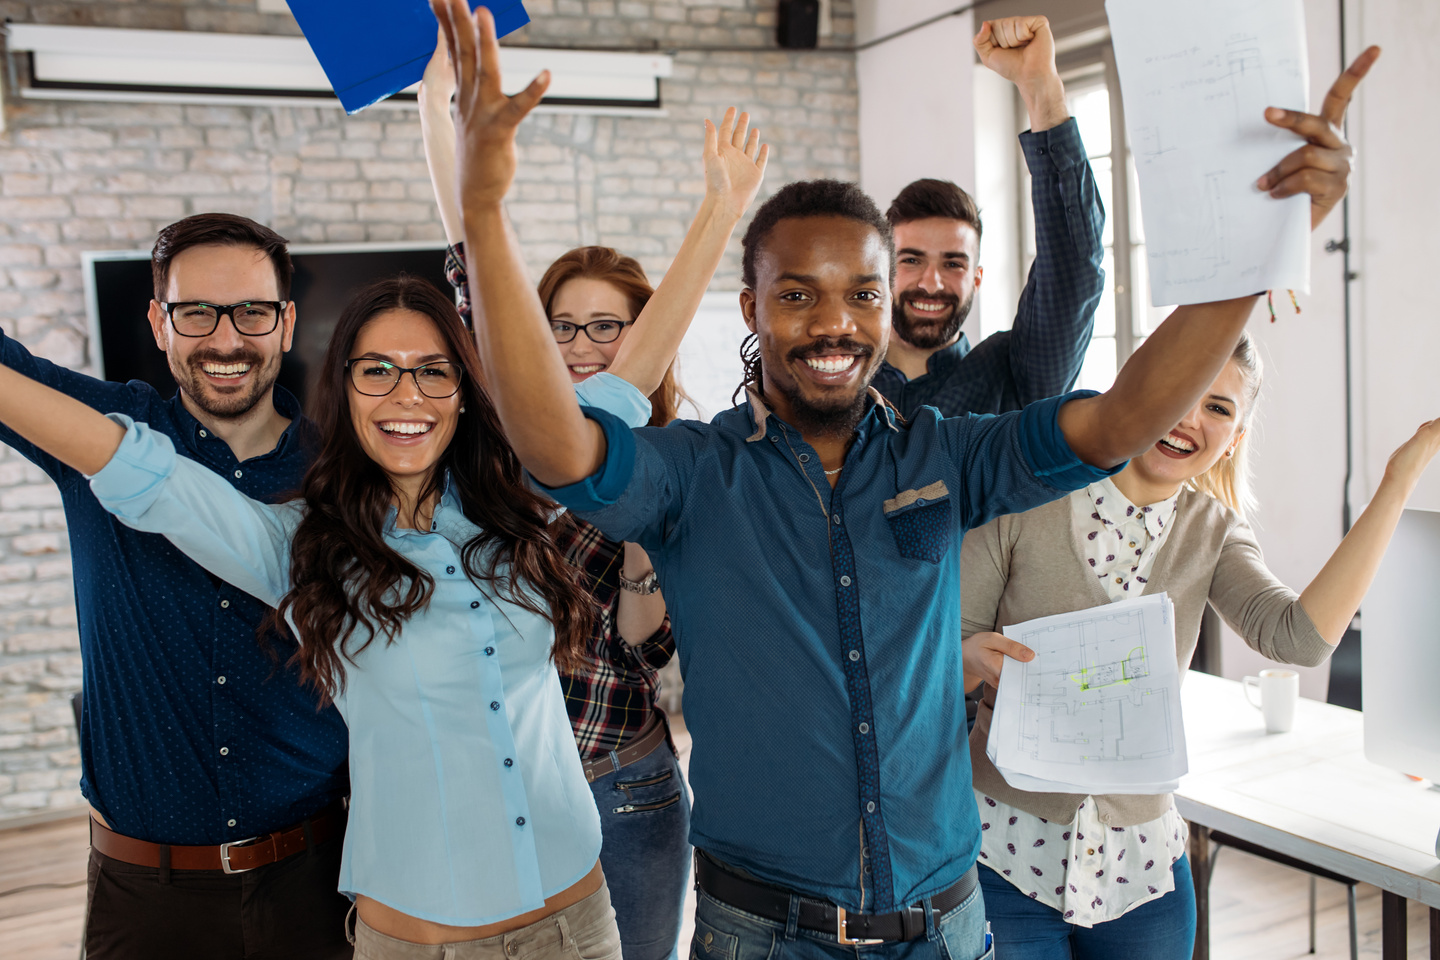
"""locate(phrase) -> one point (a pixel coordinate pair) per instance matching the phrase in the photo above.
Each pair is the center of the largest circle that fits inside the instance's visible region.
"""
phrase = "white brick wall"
(83, 176)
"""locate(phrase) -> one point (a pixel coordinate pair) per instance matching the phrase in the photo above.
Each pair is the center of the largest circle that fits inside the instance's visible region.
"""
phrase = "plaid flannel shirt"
(616, 698)
(1042, 354)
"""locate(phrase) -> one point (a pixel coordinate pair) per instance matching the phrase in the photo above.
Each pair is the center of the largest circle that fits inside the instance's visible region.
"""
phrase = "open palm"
(734, 161)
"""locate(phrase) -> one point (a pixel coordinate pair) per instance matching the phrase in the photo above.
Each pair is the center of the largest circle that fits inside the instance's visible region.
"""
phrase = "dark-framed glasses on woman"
(252, 318)
(377, 378)
(599, 331)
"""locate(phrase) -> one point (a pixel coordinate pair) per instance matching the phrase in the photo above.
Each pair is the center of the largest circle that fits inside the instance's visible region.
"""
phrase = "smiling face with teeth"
(224, 376)
(936, 275)
(405, 432)
(820, 309)
(590, 300)
(1209, 432)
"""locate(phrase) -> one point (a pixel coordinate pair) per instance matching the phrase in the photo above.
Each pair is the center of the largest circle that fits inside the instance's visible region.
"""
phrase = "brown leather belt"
(238, 856)
(638, 747)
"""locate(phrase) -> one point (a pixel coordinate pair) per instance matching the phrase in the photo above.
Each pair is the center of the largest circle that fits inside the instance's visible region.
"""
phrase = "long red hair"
(626, 275)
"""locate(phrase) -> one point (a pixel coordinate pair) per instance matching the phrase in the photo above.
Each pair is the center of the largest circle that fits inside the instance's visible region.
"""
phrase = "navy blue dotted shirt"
(192, 734)
(819, 629)
(1041, 355)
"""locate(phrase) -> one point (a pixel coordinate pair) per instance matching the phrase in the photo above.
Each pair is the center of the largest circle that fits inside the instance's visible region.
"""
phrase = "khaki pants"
(582, 931)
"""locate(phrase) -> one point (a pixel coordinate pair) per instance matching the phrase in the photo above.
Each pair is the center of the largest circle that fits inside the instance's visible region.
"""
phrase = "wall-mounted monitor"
(118, 289)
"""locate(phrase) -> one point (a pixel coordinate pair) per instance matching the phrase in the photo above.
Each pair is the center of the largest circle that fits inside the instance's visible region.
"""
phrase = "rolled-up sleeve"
(616, 396)
(148, 487)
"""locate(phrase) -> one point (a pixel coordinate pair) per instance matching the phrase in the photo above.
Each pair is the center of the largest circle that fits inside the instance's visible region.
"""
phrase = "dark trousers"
(289, 909)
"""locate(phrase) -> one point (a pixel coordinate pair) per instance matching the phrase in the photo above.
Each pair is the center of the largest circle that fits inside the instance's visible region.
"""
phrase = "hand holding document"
(1097, 711)
(1196, 79)
(371, 49)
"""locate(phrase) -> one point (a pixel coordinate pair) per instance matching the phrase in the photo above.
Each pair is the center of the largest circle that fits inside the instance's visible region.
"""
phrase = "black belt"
(773, 903)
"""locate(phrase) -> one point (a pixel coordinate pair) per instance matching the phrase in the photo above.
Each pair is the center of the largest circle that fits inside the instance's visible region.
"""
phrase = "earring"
(462, 409)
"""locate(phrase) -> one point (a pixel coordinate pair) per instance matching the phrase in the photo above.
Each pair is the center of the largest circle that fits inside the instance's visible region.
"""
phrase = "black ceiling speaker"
(799, 24)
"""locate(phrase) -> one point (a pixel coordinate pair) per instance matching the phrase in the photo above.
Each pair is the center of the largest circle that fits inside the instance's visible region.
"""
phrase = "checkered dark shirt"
(1042, 354)
(612, 702)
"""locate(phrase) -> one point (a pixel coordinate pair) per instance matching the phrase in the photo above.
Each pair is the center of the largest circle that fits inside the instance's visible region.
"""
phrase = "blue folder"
(371, 49)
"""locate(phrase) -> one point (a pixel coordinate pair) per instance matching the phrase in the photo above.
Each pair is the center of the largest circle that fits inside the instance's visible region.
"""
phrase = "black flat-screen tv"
(118, 289)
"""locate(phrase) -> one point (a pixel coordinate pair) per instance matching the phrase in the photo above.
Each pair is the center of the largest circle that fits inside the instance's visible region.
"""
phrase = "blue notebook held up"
(371, 49)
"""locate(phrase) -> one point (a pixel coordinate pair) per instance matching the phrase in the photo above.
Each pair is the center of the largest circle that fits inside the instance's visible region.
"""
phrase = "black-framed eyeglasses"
(377, 378)
(599, 331)
(252, 318)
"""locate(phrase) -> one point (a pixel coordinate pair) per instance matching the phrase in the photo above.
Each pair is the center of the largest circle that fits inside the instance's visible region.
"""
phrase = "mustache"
(253, 357)
(828, 345)
(910, 296)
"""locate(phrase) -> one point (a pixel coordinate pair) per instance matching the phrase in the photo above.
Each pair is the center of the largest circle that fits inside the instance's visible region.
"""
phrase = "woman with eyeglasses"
(431, 602)
(603, 311)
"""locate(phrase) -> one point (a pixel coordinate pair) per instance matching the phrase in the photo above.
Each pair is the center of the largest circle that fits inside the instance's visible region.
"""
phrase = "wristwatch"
(645, 586)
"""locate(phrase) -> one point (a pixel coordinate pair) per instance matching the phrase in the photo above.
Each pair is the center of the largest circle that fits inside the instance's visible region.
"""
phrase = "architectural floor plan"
(1098, 709)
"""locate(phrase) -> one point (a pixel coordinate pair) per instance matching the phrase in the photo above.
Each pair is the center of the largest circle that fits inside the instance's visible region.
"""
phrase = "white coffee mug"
(1279, 689)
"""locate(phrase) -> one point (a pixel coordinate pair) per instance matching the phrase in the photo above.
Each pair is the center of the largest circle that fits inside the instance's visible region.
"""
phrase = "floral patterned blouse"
(1088, 871)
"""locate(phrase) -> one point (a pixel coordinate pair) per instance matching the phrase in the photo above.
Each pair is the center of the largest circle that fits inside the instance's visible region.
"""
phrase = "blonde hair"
(1229, 479)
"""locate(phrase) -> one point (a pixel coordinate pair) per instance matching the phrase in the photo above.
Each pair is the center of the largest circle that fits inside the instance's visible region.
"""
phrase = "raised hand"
(437, 86)
(485, 118)
(984, 655)
(734, 162)
(1022, 50)
(1321, 168)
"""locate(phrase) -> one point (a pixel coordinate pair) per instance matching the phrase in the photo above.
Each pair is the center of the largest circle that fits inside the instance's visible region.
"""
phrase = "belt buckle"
(840, 931)
(225, 855)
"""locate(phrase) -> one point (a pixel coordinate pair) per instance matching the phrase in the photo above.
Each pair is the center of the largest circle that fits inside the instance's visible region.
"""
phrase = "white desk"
(1309, 794)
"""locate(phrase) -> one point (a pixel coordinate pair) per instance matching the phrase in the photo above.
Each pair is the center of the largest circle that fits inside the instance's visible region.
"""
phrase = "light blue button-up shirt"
(468, 801)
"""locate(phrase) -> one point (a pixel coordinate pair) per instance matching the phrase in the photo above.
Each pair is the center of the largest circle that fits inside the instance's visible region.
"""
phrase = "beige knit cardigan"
(1028, 565)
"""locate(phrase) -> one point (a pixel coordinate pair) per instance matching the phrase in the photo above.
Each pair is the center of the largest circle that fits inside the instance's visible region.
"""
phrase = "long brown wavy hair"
(348, 585)
(626, 275)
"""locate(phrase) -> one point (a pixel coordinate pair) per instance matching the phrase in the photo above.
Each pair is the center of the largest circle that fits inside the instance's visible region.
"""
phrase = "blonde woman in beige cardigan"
(1073, 877)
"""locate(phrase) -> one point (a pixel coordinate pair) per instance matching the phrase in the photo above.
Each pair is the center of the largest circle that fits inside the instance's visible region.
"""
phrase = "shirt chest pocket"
(920, 521)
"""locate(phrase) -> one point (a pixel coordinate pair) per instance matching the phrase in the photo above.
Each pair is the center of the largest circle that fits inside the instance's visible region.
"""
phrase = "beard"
(831, 414)
(228, 405)
(931, 332)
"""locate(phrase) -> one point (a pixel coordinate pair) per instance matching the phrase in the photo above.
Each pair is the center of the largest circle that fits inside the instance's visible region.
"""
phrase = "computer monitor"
(118, 289)
(1400, 665)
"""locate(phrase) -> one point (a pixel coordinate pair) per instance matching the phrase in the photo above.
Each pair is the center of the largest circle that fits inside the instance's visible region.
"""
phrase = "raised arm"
(1169, 372)
(734, 167)
(437, 133)
(525, 374)
(1056, 312)
(1337, 590)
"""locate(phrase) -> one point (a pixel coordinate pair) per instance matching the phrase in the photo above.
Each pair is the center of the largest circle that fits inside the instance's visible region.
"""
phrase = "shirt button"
(804, 458)
(920, 502)
(204, 434)
(509, 762)
(224, 751)
(494, 704)
(489, 651)
(1132, 543)
(474, 604)
(854, 655)
(519, 821)
(844, 581)
(864, 728)
(836, 518)
(1118, 580)
(1090, 852)
(452, 569)
(224, 604)
(870, 807)
(220, 680)
(239, 474)
(229, 823)
(774, 439)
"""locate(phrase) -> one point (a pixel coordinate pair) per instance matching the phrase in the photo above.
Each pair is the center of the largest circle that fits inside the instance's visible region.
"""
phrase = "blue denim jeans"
(645, 822)
(1163, 929)
(725, 933)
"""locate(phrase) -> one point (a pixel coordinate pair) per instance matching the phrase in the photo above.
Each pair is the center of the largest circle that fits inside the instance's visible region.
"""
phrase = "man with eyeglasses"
(216, 781)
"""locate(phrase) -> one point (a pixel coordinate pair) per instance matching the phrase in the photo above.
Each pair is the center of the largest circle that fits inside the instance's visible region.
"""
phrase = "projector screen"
(118, 289)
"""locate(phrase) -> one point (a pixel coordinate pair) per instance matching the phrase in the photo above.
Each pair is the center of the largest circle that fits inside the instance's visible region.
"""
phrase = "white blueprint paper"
(1098, 709)
(1196, 79)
